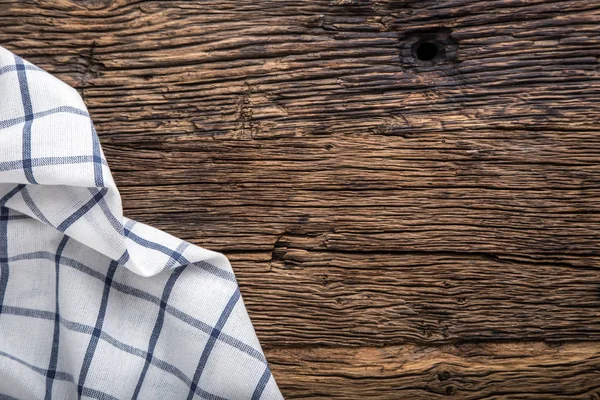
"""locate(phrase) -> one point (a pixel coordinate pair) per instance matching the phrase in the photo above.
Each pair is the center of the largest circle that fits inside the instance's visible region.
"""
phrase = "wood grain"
(528, 370)
(382, 213)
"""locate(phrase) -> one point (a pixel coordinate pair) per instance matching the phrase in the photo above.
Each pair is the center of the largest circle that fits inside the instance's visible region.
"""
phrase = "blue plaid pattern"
(93, 304)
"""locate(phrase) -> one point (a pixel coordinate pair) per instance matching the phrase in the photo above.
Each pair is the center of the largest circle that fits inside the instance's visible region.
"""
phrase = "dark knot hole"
(426, 51)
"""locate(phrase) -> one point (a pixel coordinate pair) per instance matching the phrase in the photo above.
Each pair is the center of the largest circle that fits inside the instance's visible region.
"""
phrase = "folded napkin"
(93, 304)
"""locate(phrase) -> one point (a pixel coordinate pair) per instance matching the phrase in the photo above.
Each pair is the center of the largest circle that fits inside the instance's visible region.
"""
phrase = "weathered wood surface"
(465, 371)
(399, 228)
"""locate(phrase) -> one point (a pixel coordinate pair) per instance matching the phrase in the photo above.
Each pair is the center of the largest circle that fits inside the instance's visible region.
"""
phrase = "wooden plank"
(337, 298)
(365, 197)
(529, 370)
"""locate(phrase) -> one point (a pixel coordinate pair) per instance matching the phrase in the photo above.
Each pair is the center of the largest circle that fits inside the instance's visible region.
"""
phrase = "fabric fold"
(93, 304)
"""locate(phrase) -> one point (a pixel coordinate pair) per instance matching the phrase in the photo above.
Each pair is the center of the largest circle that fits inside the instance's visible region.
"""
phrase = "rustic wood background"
(400, 229)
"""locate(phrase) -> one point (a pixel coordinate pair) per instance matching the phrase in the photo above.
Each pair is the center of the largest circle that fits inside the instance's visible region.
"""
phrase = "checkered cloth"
(92, 304)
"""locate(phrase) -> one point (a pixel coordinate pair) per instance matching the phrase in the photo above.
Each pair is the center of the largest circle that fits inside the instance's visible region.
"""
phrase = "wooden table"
(408, 190)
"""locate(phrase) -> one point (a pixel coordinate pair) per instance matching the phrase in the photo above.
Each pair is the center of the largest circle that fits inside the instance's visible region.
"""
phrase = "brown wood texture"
(399, 228)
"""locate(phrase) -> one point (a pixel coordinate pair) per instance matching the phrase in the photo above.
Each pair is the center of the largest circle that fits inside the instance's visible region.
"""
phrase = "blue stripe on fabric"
(221, 273)
(165, 250)
(11, 194)
(69, 262)
(96, 394)
(26, 100)
(177, 255)
(97, 156)
(47, 161)
(59, 376)
(27, 168)
(28, 312)
(177, 373)
(196, 323)
(33, 207)
(12, 67)
(114, 222)
(82, 328)
(55, 339)
(214, 334)
(7, 123)
(225, 338)
(4, 272)
(160, 318)
(151, 245)
(89, 354)
(262, 383)
(75, 327)
(82, 210)
(63, 376)
(23, 85)
(4, 269)
(14, 217)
